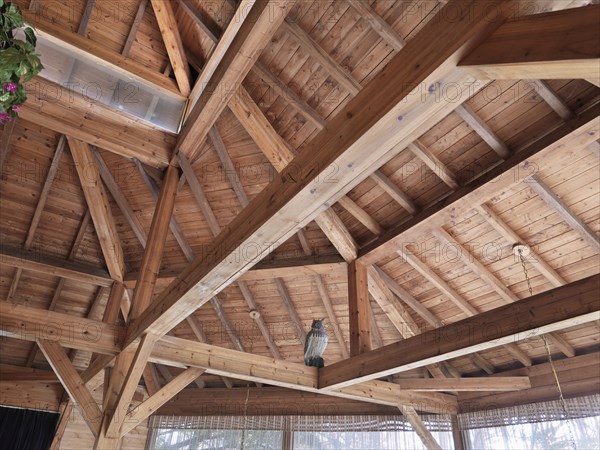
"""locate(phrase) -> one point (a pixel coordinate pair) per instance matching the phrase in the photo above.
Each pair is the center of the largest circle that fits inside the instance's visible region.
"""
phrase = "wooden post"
(358, 309)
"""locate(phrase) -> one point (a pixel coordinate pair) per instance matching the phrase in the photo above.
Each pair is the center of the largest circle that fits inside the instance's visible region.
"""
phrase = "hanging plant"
(19, 62)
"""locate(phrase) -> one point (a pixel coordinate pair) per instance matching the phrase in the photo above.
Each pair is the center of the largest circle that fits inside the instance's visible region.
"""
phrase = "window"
(540, 426)
(292, 432)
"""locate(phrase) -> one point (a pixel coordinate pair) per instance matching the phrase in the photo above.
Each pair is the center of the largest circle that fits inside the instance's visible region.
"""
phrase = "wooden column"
(358, 309)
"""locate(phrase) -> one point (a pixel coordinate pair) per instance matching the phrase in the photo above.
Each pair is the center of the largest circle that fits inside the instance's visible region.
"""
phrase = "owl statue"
(316, 342)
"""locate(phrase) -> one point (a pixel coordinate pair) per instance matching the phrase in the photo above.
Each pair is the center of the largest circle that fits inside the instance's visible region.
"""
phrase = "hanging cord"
(563, 403)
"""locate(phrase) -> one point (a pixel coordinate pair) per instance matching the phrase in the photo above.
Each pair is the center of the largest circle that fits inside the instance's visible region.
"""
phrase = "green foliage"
(19, 61)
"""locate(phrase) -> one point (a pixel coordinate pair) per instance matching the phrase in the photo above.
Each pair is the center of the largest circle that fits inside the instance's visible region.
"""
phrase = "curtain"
(26, 429)
(293, 432)
(542, 426)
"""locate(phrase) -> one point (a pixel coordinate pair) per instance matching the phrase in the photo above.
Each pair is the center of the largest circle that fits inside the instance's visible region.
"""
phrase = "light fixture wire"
(563, 403)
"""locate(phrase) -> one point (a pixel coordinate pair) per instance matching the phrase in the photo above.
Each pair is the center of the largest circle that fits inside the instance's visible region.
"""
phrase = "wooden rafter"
(483, 130)
(170, 34)
(73, 384)
(53, 266)
(149, 406)
(121, 200)
(219, 51)
(561, 208)
(99, 206)
(256, 31)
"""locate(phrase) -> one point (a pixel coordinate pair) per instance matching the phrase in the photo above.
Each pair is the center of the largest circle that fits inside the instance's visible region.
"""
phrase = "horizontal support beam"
(31, 324)
(560, 308)
(561, 44)
(304, 266)
(22, 322)
(270, 401)
(464, 384)
(36, 262)
(578, 376)
(18, 374)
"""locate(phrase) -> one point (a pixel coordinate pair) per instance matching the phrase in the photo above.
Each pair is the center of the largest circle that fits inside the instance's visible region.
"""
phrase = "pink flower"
(16, 108)
(5, 117)
(10, 87)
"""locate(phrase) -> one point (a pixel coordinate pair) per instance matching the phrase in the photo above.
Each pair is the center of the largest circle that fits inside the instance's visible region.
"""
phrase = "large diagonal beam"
(73, 384)
(253, 36)
(384, 116)
(163, 11)
(99, 206)
(563, 307)
(561, 44)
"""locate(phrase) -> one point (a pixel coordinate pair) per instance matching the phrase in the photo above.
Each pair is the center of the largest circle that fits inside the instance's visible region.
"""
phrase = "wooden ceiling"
(455, 264)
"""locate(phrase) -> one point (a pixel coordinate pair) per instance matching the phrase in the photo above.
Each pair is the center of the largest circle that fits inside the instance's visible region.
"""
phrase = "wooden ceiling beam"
(419, 427)
(454, 296)
(559, 106)
(73, 384)
(99, 206)
(566, 214)
(173, 224)
(560, 308)
(286, 374)
(560, 44)
(434, 163)
(29, 324)
(333, 320)
(153, 253)
(261, 23)
(10, 373)
(368, 119)
(135, 25)
(219, 51)
(405, 296)
(391, 306)
(121, 201)
(483, 130)
(330, 65)
(152, 404)
(379, 25)
(34, 262)
(394, 191)
(7, 132)
(280, 154)
(337, 233)
(39, 208)
(87, 15)
(113, 420)
(582, 131)
(284, 91)
(165, 17)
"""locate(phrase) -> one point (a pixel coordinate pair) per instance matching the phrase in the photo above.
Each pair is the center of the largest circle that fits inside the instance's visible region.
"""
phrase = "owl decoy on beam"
(316, 342)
